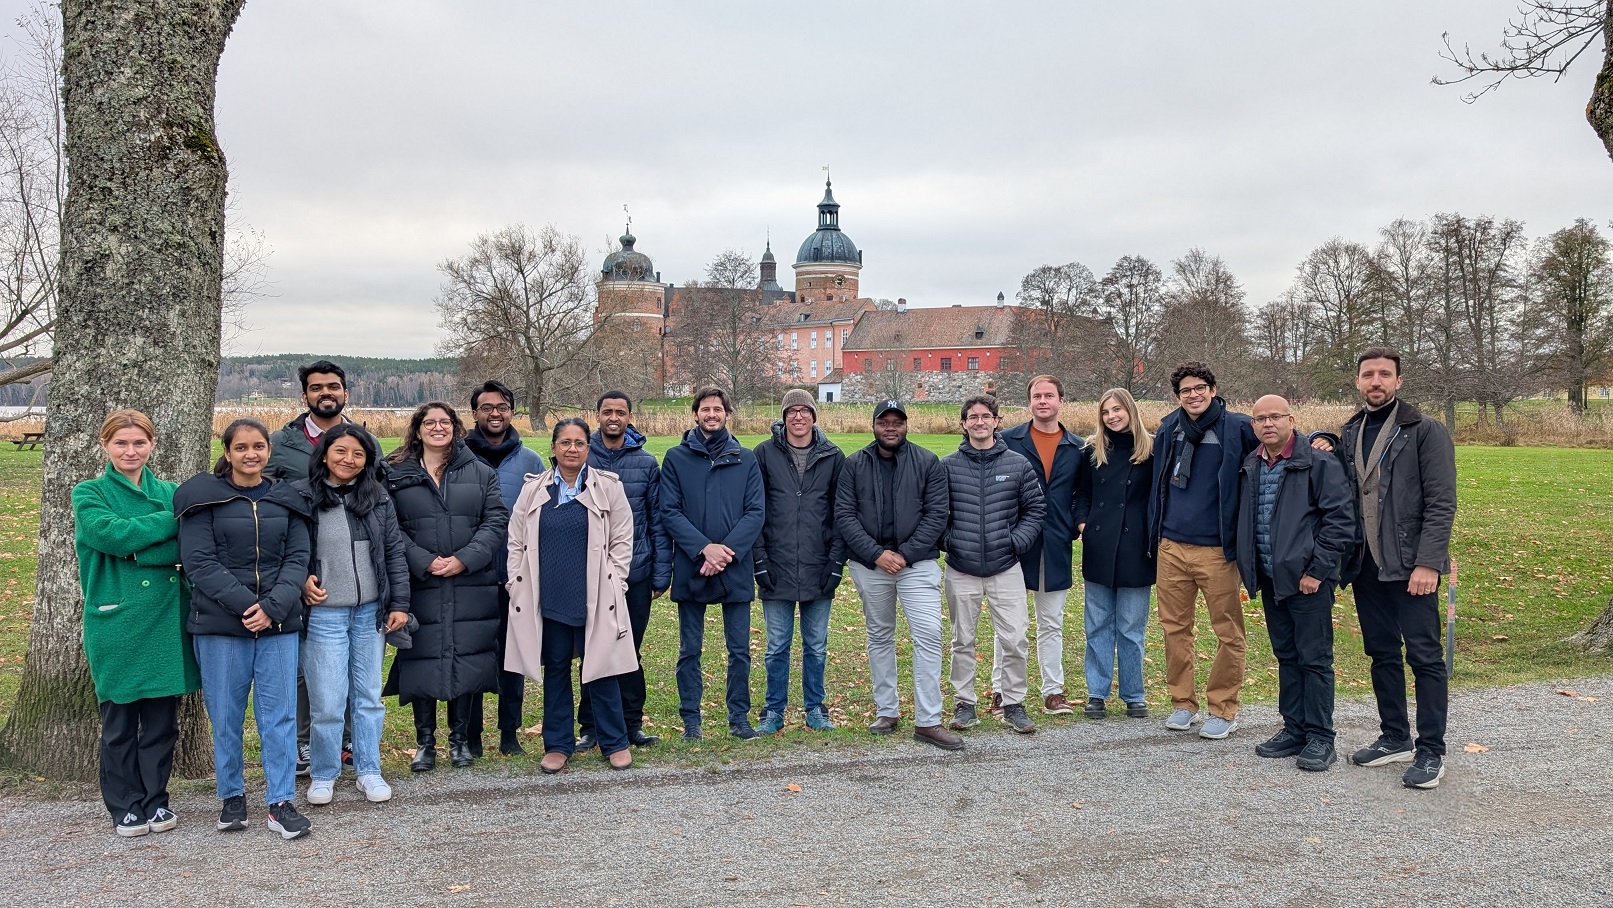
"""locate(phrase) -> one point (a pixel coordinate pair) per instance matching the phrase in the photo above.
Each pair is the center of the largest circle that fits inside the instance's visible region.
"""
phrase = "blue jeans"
(1116, 620)
(563, 644)
(779, 615)
(692, 640)
(341, 661)
(265, 667)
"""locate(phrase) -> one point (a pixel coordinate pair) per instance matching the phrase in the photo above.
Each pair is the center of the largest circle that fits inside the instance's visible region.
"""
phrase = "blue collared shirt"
(564, 493)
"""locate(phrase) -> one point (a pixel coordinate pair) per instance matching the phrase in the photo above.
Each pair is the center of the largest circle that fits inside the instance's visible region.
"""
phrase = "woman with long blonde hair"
(1111, 512)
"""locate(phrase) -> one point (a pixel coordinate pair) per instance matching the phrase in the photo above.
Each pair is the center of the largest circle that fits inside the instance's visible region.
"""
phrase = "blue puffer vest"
(1271, 482)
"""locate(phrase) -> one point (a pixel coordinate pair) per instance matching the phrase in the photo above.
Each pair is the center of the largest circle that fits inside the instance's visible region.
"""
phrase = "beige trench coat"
(607, 634)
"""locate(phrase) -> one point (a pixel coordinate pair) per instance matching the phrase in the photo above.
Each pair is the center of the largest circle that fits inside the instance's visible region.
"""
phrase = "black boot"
(425, 756)
(508, 744)
(459, 751)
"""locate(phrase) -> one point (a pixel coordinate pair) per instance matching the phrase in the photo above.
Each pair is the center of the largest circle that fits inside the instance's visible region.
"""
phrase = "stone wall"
(952, 387)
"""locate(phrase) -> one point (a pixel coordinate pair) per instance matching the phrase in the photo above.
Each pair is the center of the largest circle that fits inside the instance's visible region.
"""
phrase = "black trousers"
(1301, 629)
(639, 596)
(137, 754)
(511, 686)
(462, 712)
(1392, 618)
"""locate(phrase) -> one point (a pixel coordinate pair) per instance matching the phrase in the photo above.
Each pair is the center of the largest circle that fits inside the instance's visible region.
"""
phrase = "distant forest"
(372, 382)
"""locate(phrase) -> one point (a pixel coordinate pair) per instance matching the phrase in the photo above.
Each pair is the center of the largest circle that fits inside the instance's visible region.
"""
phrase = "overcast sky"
(969, 142)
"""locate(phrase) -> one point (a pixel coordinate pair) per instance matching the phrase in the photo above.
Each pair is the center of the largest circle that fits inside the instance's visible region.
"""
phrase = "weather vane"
(826, 176)
(629, 218)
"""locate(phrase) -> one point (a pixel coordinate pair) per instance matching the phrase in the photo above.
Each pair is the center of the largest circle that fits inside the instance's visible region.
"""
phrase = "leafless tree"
(1281, 337)
(1336, 285)
(1203, 319)
(520, 305)
(1131, 298)
(720, 336)
(1571, 307)
(1545, 39)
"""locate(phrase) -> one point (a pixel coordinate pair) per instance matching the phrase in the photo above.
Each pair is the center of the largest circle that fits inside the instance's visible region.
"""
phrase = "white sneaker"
(321, 791)
(374, 787)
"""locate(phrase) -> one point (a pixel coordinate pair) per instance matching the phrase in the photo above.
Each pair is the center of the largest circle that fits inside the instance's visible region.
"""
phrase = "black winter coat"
(1112, 500)
(237, 552)
(1237, 438)
(920, 506)
(1055, 545)
(640, 474)
(388, 548)
(455, 649)
(800, 556)
(1416, 495)
(706, 499)
(1312, 522)
(996, 509)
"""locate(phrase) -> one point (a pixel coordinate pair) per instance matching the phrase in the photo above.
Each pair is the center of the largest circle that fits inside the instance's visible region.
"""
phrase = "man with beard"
(618, 447)
(496, 443)
(891, 509)
(712, 502)
(1192, 522)
(324, 393)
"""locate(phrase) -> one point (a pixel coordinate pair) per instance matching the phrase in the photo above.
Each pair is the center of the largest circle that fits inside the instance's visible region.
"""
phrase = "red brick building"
(934, 354)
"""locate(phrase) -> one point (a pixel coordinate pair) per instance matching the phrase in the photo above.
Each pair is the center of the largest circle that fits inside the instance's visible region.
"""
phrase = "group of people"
(285, 572)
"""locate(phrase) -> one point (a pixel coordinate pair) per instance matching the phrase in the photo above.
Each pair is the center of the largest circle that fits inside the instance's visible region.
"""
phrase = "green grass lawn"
(1532, 533)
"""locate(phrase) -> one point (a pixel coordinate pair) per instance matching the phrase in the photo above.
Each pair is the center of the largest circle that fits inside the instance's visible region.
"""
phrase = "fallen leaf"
(731, 878)
(1586, 699)
(1500, 637)
(1076, 805)
(459, 888)
(1314, 840)
(792, 787)
(1567, 693)
(1472, 748)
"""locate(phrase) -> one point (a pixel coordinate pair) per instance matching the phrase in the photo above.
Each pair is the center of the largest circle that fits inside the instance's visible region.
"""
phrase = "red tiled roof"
(887, 329)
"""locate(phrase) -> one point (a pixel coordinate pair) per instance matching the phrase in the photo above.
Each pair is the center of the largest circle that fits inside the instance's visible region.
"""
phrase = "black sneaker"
(305, 759)
(284, 819)
(347, 755)
(233, 817)
(743, 731)
(1094, 708)
(1317, 756)
(1015, 716)
(1384, 750)
(1283, 744)
(963, 716)
(131, 825)
(1425, 772)
(692, 732)
(162, 820)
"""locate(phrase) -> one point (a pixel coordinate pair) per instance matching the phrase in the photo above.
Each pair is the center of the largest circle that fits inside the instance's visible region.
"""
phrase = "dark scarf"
(716, 444)
(1193, 432)
(494, 454)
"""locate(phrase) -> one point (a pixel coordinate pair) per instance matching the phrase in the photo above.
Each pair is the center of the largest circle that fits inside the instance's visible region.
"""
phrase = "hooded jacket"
(1416, 494)
(800, 556)
(454, 650)
(996, 508)
(1051, 559)
(920, 507)
(709, 498)
(1312, 520)
(640, 474)
(237, 552)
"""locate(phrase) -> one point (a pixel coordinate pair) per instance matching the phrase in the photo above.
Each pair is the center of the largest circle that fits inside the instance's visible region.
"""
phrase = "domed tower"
(630, 288)
(827, 265)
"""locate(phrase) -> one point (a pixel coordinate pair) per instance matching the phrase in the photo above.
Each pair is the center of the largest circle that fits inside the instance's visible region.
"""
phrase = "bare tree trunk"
(537, 403)
(142, 241)
(1599, 112)
(1598, 638)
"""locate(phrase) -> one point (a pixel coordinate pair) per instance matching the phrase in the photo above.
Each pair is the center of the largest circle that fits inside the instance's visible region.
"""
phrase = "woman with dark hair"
(243, 540)
(568, 516)
(1112, 486)
(134, 622)
(453, 522)
(357, 592)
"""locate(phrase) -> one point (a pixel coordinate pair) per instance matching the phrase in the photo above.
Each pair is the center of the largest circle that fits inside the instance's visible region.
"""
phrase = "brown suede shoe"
(1056, 705)
(937, 735)
(621, 759)
(553, 762)
(997, 704)
(884, 725)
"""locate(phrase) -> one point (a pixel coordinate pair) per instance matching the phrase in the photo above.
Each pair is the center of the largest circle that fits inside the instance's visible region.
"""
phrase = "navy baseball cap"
(889, 405)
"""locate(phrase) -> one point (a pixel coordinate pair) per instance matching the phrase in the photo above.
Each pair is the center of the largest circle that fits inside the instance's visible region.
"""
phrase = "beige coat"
(607, 634)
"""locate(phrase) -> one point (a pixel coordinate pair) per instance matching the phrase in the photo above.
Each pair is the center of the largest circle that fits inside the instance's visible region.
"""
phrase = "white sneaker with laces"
(321, 791)
(374, 787)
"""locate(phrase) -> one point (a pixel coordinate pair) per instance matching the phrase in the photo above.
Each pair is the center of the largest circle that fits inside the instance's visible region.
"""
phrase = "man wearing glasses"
(1192, 521)
(996, 516)
(496, 443)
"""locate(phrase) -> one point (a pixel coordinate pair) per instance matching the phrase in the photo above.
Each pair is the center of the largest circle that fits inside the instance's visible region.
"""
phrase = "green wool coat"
(134, 599)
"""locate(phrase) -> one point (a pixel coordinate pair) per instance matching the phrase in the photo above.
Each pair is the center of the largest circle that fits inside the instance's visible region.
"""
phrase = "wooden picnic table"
(29, 440)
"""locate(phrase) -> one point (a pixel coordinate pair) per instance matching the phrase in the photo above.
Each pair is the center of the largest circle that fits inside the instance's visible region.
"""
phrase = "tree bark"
(1598, 638)
(141, 263)
(1599, 112)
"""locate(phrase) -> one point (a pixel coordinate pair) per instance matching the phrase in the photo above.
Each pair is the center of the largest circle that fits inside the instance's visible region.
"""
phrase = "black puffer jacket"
(640, 474)
(800, 556)
(455, 649)
(920, 506)
(997, 509)
(1112, 500)
(237, 552)
(388, 548)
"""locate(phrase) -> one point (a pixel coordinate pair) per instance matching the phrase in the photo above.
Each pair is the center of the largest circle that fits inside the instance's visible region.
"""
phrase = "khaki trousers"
(1004, 594)
(1184, 572)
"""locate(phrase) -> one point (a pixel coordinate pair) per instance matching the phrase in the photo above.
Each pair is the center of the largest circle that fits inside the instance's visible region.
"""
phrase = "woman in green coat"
(134, 622)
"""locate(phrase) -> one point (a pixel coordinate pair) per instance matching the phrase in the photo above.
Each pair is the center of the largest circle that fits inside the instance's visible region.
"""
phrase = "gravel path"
(1120, 812)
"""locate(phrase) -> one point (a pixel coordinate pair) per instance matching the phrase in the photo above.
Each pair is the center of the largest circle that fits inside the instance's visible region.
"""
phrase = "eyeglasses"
(495, 408)
(1185, 390)
(436, 424)
(1271, 420)
(571, 443)
(980, 417)
(797, 413)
